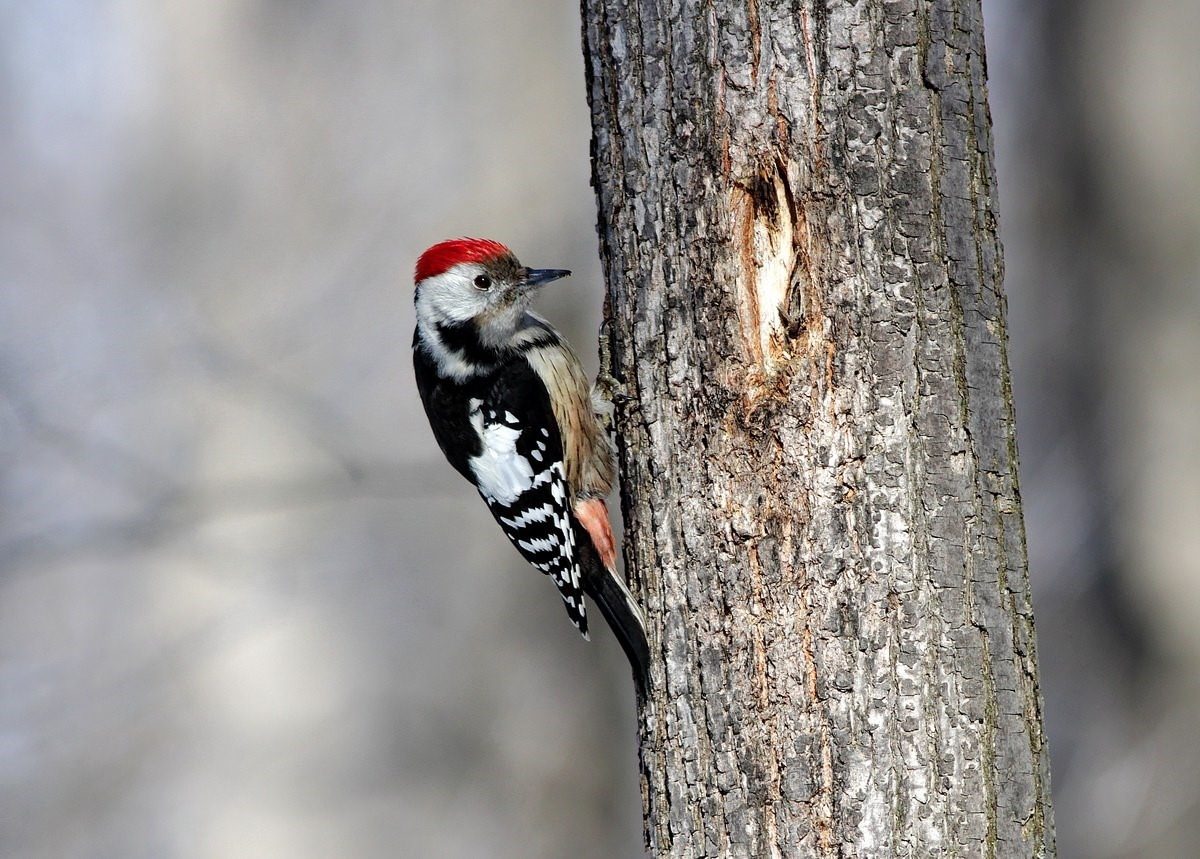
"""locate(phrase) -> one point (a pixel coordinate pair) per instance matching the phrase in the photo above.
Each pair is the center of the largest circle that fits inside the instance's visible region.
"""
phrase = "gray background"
(246, 611)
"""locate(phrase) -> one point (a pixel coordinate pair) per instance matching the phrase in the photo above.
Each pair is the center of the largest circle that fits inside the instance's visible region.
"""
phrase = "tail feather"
(620, 609)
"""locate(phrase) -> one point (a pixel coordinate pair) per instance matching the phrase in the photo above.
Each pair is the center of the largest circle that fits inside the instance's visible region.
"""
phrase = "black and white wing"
(519, 472)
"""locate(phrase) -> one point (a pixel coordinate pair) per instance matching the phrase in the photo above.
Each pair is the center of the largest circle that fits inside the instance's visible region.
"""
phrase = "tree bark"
(818, 453)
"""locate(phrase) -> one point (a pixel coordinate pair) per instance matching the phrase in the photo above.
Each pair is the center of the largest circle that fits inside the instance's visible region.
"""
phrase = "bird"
(512, 411)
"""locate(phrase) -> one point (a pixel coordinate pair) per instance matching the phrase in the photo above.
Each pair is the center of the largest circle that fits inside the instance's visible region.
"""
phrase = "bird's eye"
(482, 281)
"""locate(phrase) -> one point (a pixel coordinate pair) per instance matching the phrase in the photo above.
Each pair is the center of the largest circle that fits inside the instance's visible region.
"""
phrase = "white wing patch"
(525, 487)
(500, 472)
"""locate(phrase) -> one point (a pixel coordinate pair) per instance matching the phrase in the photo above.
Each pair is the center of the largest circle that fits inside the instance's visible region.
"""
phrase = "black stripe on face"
(463, 338)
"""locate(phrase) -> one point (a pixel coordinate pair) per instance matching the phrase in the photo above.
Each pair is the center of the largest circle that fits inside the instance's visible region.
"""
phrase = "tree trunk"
(818, 453)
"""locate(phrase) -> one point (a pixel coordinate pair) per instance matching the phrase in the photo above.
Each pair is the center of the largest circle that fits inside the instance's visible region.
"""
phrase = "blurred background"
(238, 614)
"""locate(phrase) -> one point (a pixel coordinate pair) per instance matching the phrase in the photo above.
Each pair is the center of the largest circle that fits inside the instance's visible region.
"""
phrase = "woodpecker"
(511, 409)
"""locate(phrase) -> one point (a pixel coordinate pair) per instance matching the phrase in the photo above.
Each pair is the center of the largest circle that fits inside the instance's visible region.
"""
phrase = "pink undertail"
(593, 515)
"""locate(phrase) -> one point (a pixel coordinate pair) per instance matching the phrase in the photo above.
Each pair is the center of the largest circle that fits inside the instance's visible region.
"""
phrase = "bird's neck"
(465, 350)
(456, 349)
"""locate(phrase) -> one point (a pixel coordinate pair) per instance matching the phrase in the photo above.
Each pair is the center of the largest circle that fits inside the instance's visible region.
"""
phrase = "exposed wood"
(818, 455)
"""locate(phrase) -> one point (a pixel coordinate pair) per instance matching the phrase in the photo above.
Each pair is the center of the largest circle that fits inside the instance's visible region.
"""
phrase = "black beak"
(540, 276)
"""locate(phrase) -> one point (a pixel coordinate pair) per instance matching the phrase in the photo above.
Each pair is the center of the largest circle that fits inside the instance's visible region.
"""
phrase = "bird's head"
(478, 283)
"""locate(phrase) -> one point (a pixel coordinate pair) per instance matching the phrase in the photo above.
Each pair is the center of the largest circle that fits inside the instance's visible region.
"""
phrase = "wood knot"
(764, 235)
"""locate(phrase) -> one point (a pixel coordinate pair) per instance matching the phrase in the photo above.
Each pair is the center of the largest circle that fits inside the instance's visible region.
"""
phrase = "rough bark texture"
(819, 467)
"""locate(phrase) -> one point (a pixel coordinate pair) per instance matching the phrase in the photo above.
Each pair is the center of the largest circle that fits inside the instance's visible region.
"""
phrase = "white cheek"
(450, 297)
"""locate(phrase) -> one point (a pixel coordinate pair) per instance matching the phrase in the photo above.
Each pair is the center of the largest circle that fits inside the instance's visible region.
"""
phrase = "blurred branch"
(89, 453)
(195, 506)
(325, 426)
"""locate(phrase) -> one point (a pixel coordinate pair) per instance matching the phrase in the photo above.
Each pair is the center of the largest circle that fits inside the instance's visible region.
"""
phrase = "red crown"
(445, 255)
